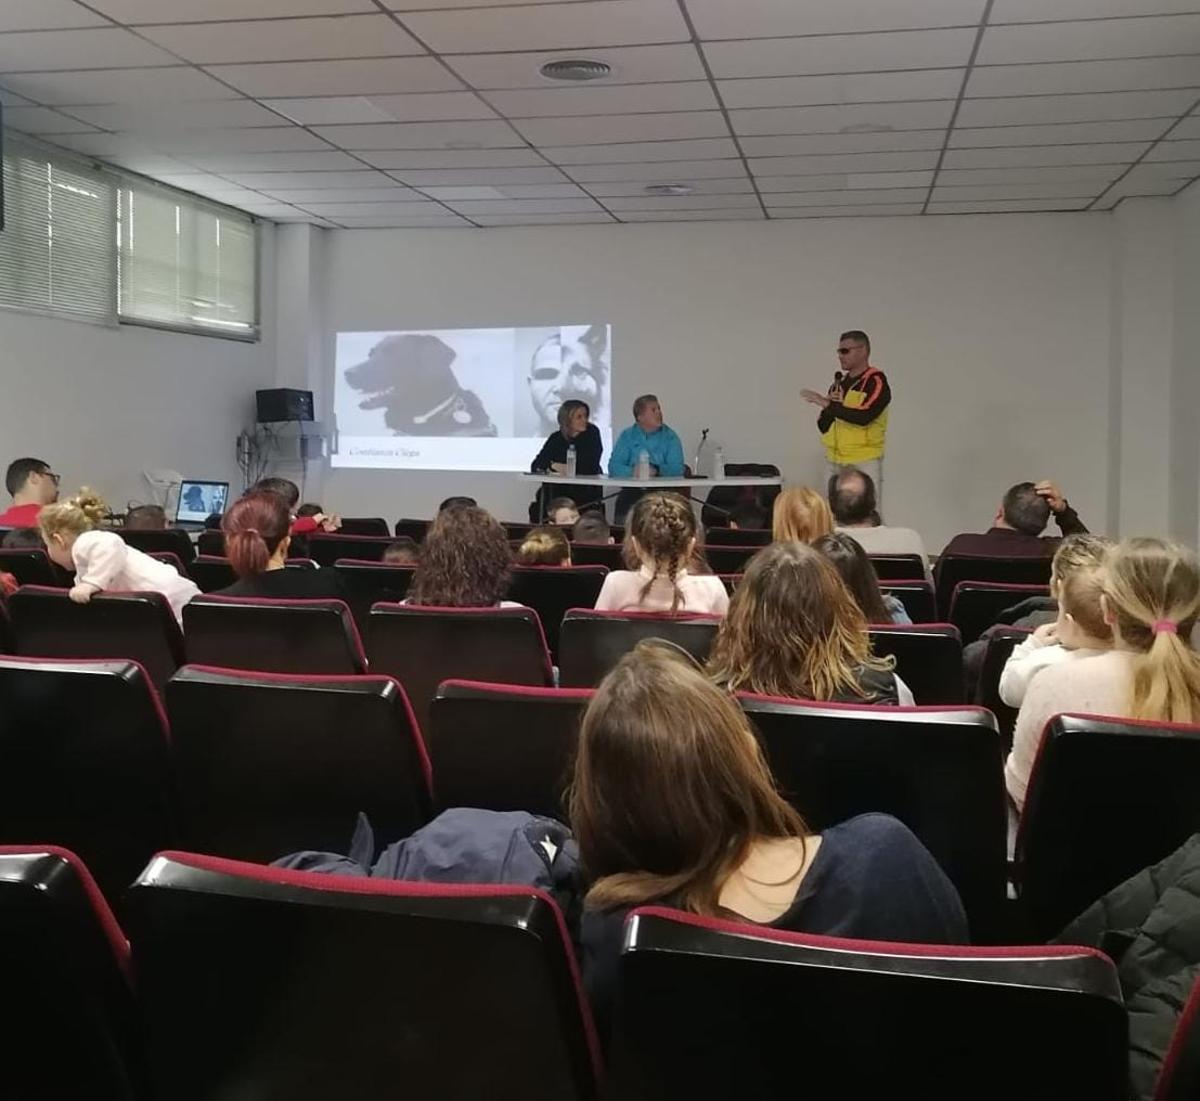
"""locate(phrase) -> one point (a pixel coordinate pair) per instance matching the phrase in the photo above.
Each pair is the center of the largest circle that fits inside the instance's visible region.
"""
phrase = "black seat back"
(939, 770)
(917, 598)
(211, 542)
(311, 987)
(365, 525)
(368, 583)
(552, 591)
(211, 573)
(953, 568)
(135, 626)
(592, 642)
(597, 554)
(726, 559)
(712, 1008)
(722, 500)
(175, 540)
(928, 659)
(268, 764)
(1107, 798)
(1000, 645)
(31, 566)
(414, 529)
(898, 567)
(326, 549)
(976, 605)
(737, 537)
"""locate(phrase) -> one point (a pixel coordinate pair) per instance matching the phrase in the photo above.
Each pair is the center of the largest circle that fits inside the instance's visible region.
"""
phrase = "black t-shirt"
(589, 449)
(289, 584)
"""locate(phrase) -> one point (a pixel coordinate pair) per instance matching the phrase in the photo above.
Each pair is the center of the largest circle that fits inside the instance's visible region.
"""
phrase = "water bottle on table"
(571, 461)
(642, 470)
(719, 463)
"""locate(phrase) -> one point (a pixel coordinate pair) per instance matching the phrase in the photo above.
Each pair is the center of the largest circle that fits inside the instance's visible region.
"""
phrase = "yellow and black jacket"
(854, 429)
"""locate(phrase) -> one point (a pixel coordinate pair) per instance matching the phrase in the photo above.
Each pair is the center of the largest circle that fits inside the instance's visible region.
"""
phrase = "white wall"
(101, 404)
(995, 332)
(1184, 501)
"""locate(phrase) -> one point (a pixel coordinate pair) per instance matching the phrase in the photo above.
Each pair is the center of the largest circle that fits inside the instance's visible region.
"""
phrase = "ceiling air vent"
(669, 189)
(575, 68)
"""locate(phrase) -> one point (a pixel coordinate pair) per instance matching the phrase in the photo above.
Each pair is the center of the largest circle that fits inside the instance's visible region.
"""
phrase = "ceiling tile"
(149, 164)
(1098, 107)
(667, 170)
(571, 26)
(41, 120)
(471, 207)
(589, 129)
(847, 162)
(449, 5)
(1059, 134)
(315, 180)
(470, 177)
(11, 99)
(542, 219)
(505, 191)
(799, 91)
(22, 15)
(274, 162)
(485, 134)
(268, 210)
(630, 65)
(1001, 206)
(410, 209)
(702, 149)
(445, 220)
(142, 86)
(1187, 128)
(1081, 41)
(1066, 190)
(741, 186)
(926, 115)
(1174, 151)
(414, 107)
(780, 18)
(744, 214)
(1018, 156)
(171, 117)
(285, 39)
(1033, 11)
(1085, 76)
(191, 11)
(1164, 170)
(680, 202)
(865, 53)
(258, 139)
(847, 197)
(1097, 173)
(45, 51)
(612, 99)
(304, 196)
(855, 180)
(802, 144)
(339, 78)
(104, 145)
(453, 158)
(880, 210)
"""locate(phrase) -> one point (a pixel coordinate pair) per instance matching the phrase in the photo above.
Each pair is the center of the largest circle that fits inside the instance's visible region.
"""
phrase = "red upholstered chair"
(368, 583)
(597, 554)
(917, 598)
(67, 1010)
(928, 659)
(273, 636)
(175, 540)
(364, 525)
(7, 642)
(1107, 798)
(1179, 1079)
(211, 572)
(135, 626)
(504, 747)
(975, 605)
(713, 1008)
(267, 764)
(953, 568)
(310, 987)
(552, 591)
(727, 559)
(31, 566)
(737, 537)
(422, 646)
(938, 769)
(325, 549)
(592, 641)
(171, 559)
(83, 762)
(899, 567)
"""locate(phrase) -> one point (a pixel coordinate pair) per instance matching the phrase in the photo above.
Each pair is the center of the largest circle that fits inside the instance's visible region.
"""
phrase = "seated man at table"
(648, 434)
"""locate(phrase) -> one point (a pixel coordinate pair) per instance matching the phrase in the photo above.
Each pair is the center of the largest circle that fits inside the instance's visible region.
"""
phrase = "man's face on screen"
(561, 372)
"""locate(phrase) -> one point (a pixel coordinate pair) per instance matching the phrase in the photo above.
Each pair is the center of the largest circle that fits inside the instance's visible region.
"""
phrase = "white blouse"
(105, 561)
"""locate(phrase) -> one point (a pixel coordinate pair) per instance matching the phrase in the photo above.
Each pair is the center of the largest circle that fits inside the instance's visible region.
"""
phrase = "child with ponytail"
(1150, 599)
(102, 560)
(662, 538)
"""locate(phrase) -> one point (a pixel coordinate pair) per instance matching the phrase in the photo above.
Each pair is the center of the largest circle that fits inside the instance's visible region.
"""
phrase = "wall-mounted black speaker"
(284, 405)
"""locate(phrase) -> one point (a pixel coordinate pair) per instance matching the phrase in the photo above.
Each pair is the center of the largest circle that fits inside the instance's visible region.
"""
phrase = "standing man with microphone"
(854, 412)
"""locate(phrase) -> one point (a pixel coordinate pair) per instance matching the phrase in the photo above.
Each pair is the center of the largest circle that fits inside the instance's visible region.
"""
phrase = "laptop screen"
(199, 500)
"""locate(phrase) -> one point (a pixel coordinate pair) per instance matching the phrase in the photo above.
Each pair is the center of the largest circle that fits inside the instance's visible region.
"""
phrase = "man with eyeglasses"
(854, 412)
(31, 484)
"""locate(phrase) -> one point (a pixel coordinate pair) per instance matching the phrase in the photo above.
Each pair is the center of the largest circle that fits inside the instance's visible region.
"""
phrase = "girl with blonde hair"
(1150, 598)
(794, 629)
(103, 560)
(800, 515)
(661, 538)
(544, 546)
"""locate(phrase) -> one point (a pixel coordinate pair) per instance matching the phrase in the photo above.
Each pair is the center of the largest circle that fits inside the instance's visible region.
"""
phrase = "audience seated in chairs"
(465, 562)
(1151, 600)
(31, 484)
(103, 560)
(855, 512)
(673, 803)
(402, 551)
(257, 543)
(794, 629)
(662, 537)
(1020, 520)
(562, 512)
(544, 546)
(854, 567)
(305, 519)
(800, 515)
(592, 529)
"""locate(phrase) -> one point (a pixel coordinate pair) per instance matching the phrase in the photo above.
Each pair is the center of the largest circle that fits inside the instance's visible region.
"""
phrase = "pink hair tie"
(1165, 627)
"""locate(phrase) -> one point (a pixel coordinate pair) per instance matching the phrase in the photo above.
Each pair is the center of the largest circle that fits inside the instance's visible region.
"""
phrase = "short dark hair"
(22, 538)
(858, 336)
(19, 471)
(561, 502)
(281, 487)
(749, 514)
(145, 518)
(852, 496)
(309, 508)
(402, 550)
(1024, 510)
(591, 527)
(640, 403)
(457, 502)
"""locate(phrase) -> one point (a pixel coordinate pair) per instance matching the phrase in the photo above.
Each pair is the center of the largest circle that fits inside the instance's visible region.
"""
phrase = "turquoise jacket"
(663, 446)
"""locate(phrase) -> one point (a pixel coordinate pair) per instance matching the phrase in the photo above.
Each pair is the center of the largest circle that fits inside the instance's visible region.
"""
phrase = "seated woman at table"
(573, 430)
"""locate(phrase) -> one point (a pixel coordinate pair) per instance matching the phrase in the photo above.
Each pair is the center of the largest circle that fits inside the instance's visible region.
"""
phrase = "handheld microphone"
(837, 378)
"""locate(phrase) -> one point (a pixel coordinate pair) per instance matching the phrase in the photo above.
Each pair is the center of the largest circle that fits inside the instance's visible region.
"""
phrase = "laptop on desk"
(198, 500)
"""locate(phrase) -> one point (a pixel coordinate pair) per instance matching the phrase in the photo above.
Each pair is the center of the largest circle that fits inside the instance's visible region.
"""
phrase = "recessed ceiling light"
(866, 128)
(575, 68)
(669, 189)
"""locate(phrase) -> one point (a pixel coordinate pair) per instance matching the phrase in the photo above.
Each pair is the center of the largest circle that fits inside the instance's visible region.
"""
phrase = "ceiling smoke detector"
(575, 68)
(669, 189)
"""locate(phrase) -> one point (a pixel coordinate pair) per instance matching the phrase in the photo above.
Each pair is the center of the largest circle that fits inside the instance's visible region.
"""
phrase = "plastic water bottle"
(719, 463)
(571, 460)
(643, 465)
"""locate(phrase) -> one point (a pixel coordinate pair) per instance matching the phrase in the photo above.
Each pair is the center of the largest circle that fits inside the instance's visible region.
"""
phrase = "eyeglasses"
(845, 351)
(50, 474)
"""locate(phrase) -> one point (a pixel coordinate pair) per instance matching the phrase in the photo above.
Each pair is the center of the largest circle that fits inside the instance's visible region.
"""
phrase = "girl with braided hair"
(662, 539)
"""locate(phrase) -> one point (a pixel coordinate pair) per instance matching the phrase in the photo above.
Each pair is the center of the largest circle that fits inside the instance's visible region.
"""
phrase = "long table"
(617, 484)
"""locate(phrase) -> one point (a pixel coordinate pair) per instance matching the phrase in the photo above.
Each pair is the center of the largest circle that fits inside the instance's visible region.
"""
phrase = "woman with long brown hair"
(672, 803)
(464, 562)
(794, 629)
(1150, 598)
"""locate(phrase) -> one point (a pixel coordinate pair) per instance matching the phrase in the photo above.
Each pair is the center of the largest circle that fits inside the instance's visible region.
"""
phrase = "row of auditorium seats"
(223, 979)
